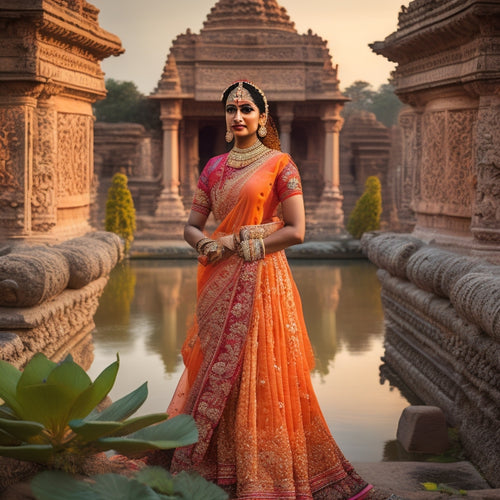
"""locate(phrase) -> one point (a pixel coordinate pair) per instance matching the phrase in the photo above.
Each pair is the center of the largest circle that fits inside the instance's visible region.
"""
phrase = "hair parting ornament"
(241, 92)
(244, 89)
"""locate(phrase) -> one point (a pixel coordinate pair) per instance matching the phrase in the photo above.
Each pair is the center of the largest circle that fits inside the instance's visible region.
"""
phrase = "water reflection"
(148, 305)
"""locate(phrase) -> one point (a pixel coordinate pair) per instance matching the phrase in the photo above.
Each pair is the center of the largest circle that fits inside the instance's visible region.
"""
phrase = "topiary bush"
(366, 213)
(120, 210)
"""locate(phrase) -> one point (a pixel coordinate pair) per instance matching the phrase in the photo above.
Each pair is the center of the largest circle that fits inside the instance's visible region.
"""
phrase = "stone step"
(404, 479)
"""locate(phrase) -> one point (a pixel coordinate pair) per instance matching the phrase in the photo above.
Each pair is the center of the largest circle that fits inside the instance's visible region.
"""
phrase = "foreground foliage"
(151, 483)
(49, 416)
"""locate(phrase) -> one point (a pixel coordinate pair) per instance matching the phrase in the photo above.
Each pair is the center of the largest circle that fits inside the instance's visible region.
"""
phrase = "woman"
(248, 358)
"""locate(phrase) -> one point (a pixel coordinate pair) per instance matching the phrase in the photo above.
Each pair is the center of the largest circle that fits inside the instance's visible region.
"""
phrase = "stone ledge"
(179, 249)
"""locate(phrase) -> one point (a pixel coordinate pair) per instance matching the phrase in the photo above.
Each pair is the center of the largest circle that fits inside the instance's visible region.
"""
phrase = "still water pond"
(148, 305)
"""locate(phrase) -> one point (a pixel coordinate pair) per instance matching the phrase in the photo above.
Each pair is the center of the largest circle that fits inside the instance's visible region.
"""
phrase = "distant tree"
(120, 210)
(383, 103)
(386, 105)
(361, 94)
(124, 103)
(368, 209)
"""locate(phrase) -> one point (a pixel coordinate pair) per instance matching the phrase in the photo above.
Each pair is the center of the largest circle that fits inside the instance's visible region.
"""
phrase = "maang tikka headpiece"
(240, 92)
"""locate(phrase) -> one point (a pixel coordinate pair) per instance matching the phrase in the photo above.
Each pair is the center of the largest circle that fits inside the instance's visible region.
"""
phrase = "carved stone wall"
(448, 59)
(442, 339)
(442, 307)
(49, 295)
(49, 77)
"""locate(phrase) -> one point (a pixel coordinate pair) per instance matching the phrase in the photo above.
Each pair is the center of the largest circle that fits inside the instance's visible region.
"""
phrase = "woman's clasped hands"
(211, 251)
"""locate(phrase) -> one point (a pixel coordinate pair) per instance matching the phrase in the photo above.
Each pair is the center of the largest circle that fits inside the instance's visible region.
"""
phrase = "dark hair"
(257, 97)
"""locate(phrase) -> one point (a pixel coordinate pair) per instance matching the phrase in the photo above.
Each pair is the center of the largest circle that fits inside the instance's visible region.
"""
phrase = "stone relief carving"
(486, 217)
(12, 173)
(433, 168)
(73, 137)
(460, 158)
(43, 201)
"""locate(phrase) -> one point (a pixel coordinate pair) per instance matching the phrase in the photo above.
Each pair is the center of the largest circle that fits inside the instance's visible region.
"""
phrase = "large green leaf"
(195, 487)
(7, 439)
(89, 431)
(31, 452)
(134, 424)
(71, 375)
(116, 487)
(158, 478)
(8, 412)
(21, 429)
(175, 432)
(97, 391)
(57, 485)
(36, 371)
(124, 407)
(127, 446)
(46, 403)
(9, 378)
(179, 428)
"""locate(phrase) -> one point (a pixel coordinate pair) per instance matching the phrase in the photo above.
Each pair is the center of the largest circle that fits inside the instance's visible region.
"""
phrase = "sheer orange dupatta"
(224, 304)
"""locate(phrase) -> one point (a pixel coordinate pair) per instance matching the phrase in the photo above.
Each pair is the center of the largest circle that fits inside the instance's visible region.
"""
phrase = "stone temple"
(257, 41)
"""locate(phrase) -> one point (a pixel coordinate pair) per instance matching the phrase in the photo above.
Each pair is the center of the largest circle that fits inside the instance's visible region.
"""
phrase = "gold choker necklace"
(239, 158)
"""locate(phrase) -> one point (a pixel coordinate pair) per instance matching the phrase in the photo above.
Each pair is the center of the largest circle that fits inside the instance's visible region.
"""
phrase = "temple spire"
(250, 12)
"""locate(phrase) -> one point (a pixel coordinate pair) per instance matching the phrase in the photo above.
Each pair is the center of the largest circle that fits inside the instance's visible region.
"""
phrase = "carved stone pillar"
(16, 164)
(285, 116)
(44, 199)
(49, 77)
(190, 161)
(329, 213)
(170, 207)
(485, 224)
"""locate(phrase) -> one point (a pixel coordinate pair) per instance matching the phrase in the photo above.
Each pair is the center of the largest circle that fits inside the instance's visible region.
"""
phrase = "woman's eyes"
(244, 109)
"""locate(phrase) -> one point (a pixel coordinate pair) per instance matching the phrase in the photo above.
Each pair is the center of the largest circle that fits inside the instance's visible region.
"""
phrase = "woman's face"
(242, 118)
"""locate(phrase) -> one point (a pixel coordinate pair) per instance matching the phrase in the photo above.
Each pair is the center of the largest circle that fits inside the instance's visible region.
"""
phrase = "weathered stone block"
(476, 297)
(30, 276)
(90, 258)
(423, 429)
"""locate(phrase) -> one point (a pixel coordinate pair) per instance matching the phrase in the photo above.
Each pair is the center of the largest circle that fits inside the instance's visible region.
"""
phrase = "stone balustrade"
(442, 313)
(49, 295)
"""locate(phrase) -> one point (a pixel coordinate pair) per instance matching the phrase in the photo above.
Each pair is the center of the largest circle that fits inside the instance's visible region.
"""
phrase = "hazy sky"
(148, 27)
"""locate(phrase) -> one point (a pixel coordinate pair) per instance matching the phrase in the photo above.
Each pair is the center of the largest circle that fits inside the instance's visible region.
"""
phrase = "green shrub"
(366, 214)
(49, 416)
(120, 211)
(151, 483)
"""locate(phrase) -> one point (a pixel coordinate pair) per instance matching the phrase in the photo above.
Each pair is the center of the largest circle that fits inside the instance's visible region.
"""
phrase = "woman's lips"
(238, 127)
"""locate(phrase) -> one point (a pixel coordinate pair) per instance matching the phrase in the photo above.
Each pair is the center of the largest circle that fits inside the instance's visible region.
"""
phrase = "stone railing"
(49, 295)
(442, 340)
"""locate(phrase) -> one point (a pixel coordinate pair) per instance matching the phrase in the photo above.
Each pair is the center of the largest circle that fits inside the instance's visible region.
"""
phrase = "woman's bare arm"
(293, 231)
(193, 230)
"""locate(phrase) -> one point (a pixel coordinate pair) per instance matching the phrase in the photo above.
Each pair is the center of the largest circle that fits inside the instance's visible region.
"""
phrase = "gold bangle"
(252, 250)
(201, 243)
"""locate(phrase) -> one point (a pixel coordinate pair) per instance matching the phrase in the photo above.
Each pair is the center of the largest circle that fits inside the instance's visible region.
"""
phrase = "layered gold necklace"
(239, 158)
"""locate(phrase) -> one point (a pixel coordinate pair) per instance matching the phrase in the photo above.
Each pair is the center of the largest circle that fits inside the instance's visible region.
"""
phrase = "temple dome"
(249, 13)
(253, 40)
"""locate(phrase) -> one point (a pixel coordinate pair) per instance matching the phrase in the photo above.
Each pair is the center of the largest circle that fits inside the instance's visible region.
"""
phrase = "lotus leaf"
(50, 414)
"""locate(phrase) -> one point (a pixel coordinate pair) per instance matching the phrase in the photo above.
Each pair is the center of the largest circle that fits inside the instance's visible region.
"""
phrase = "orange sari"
(248, 360)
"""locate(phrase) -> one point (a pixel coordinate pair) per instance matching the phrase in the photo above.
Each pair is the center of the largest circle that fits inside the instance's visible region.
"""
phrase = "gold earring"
(229, 136)
(262, 132)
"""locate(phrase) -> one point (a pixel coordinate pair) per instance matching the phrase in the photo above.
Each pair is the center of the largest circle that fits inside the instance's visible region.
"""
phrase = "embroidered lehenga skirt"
(248, 360)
